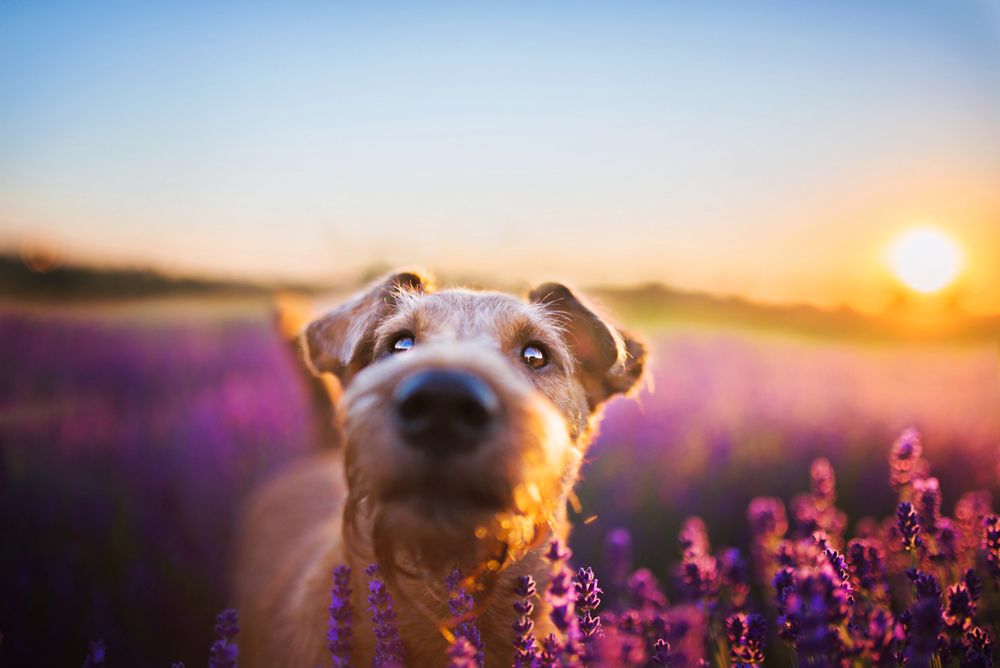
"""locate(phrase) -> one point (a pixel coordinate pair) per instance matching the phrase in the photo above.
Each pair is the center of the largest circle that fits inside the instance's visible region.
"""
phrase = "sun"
(925, 259)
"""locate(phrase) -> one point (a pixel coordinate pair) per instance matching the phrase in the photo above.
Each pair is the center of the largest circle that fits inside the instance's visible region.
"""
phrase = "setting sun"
(925, 259)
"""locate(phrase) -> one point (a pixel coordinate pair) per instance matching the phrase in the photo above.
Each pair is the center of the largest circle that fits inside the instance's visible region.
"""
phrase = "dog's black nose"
(444, 411)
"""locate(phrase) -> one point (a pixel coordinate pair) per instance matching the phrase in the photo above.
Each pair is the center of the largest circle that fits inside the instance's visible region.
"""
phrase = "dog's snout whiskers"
(444, 411)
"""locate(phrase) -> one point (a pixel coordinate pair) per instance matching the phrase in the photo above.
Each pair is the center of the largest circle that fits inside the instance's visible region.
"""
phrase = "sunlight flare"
(925, 259)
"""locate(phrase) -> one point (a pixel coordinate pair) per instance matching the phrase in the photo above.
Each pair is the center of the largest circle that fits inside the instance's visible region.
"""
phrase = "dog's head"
(466, 413)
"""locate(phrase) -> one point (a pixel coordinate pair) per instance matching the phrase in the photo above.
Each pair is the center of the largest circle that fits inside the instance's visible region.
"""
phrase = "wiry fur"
(490, 512)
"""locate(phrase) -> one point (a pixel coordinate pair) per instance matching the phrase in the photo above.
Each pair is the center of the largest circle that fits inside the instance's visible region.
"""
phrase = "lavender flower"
(839, 565)
(867, 563)
(823, 482)
(587, 601)
(767, 519)
(879, 637)
(970, 511)
(905, 459)
(644, 591)
(814, 608)
(946, 542)
(927, 499)
(552, 649)
(525, 647)
(693, 538)
(462, 654)
(661, 653)
(618, 556)
(339, 632)
(223, 653)
(960, 609)
(925, 585)
(96, 655)
(747, 635)
(991, 544)
(768, 525)
(735, 576)
(909, 528)
(973, 584)
(461, 605)
(979, 651)
(388, 646)
(561, 597)
(699, 570)
(924, 624)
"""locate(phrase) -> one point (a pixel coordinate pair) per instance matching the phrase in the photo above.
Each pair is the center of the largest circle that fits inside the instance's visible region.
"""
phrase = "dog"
(466, 416)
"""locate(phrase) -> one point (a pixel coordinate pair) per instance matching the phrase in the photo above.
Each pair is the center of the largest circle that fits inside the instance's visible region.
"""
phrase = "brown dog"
(466, 415)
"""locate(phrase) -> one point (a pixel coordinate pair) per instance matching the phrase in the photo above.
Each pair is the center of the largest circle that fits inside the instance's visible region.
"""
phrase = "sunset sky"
(772, 150)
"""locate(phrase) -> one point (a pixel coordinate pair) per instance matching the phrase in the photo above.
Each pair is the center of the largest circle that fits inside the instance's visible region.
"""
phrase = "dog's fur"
(490, 512)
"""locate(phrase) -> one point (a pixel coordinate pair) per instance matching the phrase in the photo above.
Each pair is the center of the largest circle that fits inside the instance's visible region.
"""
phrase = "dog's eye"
(401, 343)
(534, 356)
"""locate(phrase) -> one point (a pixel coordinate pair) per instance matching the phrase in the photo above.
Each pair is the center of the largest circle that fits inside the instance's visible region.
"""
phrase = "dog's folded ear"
(611, 360)
(339, 342)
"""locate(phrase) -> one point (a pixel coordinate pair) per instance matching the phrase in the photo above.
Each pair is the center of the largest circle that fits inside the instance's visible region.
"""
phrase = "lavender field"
(128, 439)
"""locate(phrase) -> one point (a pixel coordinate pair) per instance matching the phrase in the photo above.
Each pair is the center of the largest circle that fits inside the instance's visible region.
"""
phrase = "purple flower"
(700, 576)
(388, 646)
(462, 654)
(973, 584)
(693, 538)
(223, 653)
(814, 607)
(767, 518)
(960, 609)
(460, 605)
(823, 482)
(644, 591)
(96, 655)
(867, 563)
(991, 543)
(557, 552)
(879, 637)
(925, 585)
(979, 652)
(525, 647)
(587, 601)
(922, 628)
(734, 575)
(551, 650)
(909, 528)
(339, 632)
(661, 653)
(227, 624)
(927, 499)
(946, 542)
(618, 555)
(768, 526)
(905, 459)
(747, 635)
(561, 597)
(699, 570)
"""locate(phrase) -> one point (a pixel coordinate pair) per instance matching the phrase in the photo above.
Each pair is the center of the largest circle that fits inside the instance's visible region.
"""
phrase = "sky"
(770, 150)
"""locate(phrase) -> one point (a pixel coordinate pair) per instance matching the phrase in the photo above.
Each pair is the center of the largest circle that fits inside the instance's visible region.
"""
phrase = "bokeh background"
(741, 183)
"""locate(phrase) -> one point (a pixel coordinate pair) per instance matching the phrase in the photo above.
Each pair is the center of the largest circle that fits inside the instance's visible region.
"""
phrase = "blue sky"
(770, 149)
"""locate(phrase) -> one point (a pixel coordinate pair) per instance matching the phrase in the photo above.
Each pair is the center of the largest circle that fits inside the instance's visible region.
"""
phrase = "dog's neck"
(420, 599)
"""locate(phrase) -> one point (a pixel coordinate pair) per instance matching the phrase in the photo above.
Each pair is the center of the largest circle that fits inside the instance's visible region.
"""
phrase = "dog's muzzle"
(444, 412)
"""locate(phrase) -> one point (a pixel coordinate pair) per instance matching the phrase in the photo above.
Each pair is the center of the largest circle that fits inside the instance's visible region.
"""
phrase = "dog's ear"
(611, 360)
(340, 341)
